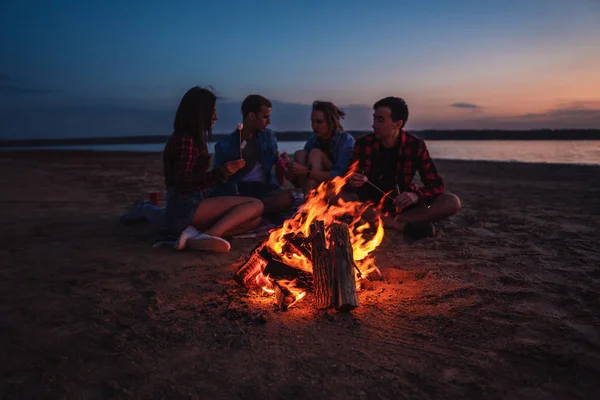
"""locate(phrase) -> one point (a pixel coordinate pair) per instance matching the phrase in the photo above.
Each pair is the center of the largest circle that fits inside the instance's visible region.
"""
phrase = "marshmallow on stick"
(242, 145)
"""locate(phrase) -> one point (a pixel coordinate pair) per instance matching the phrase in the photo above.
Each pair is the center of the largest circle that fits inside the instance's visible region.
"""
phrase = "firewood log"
(344, 288)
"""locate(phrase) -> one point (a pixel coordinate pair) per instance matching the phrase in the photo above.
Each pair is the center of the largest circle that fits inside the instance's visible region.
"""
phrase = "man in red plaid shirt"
(387, 161)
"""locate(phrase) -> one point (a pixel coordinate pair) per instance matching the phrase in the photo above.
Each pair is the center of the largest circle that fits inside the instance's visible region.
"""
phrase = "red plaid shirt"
(186, 166)
(413, 156)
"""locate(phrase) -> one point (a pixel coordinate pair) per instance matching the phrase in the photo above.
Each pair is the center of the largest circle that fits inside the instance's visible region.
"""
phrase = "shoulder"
(346, 138)
(414, 141)
(416, 147)
(269, 132)
(181, 139)
(270, 137)
(312, 139)
(182, 144)
(226, 139)
(365, 140)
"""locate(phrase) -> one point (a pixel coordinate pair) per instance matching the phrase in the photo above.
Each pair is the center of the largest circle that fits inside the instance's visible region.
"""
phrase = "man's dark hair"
(194, 114)
(397, 106)
(253, 103)
(332, 114)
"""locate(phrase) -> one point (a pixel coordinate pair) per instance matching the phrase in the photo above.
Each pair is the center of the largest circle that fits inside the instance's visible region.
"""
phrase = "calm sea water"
(563, 152)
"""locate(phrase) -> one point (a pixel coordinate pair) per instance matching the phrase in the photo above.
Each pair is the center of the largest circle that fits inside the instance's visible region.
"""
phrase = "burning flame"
(266, 284)
(324, 203)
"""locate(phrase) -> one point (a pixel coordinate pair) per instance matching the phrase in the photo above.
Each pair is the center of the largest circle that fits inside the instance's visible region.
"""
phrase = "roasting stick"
(242, 145)
(398, 208)
(362, 172)
(372, 184)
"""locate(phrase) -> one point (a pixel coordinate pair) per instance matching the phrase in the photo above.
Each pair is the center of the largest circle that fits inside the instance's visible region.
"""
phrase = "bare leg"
(244, 227)
(301, 157)
(219, 215)
(317, 161)
(279, 201)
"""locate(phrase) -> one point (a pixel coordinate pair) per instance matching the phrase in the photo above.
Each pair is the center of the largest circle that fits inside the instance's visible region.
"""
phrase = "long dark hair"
(333, 115)
(194, 115)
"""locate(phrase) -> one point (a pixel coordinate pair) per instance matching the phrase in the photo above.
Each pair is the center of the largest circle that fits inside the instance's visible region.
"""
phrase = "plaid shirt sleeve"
(191, 166)
(356, 155)
(432, 181)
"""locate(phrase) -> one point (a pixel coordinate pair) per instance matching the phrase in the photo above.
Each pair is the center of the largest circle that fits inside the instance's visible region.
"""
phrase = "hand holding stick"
(240, 127)
(372, 184)
(398, 208)
(362, 172)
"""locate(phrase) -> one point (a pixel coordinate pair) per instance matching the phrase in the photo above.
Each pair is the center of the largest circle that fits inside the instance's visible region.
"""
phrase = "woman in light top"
(326, 154)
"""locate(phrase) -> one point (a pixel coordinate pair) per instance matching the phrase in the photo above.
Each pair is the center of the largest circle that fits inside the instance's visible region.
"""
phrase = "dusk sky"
(106, 68)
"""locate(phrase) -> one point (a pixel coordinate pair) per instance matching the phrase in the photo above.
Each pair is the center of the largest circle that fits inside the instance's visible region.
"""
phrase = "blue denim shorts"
(257, 190)
(181, 208)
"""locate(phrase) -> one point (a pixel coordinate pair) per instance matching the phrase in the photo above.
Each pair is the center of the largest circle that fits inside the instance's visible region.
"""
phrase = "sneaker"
(189, 232)
(134, 215)
(206, 242)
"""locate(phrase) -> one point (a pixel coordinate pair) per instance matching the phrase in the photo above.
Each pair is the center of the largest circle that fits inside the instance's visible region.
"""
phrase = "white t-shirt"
(256, 175)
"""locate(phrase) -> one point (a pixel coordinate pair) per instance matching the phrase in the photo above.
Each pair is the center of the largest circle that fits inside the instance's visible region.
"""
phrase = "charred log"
(283, 296)
(322, 266)
(297, 243)
(344, 288)
(247, 272)
(264, 260)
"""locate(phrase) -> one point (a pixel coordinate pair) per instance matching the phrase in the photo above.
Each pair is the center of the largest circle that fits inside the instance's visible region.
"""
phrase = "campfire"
(324, 248)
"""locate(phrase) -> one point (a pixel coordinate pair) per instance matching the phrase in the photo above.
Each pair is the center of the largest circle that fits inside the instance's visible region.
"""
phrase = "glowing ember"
(267, 286)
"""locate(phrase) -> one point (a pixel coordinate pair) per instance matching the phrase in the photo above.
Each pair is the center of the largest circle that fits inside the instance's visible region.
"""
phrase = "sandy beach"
(503, 303)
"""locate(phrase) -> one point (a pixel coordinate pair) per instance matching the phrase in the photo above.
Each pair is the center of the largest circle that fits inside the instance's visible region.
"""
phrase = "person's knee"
(257, 206)
(279, 201)
(315, 155)
(301, 156)
(452, 202)
(286, 200)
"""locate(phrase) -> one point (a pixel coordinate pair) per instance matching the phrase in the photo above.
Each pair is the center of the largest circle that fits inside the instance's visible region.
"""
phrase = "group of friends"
(205, 205)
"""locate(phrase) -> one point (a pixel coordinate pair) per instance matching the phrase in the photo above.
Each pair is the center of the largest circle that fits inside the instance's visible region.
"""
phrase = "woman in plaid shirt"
(201, 221)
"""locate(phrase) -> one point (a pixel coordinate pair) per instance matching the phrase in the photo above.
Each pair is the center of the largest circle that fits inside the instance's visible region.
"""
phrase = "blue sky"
(121, 67)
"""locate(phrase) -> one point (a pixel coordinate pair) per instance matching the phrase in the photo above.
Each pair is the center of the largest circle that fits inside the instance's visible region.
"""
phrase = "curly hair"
(333, 115)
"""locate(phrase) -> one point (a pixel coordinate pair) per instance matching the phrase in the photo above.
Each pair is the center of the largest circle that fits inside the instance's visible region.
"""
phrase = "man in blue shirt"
(257, 145)
(327, 153)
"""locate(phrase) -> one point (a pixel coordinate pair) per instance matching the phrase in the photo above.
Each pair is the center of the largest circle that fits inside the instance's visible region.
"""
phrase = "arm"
(310, 144)
(433, 184)
(192, 164)
(344, 157)
(221, 152)
(356, 179)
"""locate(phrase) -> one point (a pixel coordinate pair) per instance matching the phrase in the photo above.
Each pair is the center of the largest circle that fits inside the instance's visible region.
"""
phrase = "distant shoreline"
(38, 153)
(562, 134)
